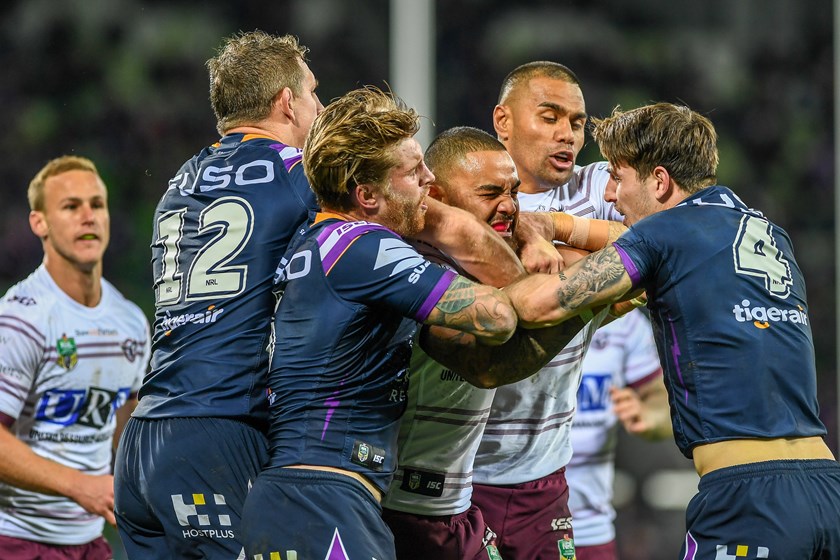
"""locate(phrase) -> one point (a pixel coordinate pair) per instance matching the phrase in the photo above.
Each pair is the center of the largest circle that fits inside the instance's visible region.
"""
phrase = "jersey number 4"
(210, 274)
(756, 254)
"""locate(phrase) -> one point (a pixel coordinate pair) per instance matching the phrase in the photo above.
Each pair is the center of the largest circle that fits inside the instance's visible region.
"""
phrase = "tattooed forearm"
(599, 272)
(492, 366)
(476, 309)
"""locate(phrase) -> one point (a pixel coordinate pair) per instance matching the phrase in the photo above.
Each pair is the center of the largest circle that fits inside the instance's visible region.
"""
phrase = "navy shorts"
(306, 514)
(180, 485)
(785, 509)
(531, 519)
(463, 536)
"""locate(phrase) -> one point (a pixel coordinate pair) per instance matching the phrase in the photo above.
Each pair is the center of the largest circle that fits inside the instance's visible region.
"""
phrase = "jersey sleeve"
(379, 268)
(640, 257)
(22, 345)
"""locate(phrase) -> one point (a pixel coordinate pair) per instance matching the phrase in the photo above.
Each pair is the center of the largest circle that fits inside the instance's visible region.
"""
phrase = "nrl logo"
(364, 452)
(414, 481)
(68, 357)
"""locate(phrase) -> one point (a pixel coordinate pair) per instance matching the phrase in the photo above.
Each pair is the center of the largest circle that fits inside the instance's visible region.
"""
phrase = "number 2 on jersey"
(209, 273)
(756, 254)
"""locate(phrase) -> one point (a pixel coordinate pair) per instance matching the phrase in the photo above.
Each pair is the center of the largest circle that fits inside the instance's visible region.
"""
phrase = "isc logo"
(434, 485)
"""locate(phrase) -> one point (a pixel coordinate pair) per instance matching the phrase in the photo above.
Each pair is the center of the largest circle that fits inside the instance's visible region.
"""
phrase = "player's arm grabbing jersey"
(219, 232)
(750, 330)
(65, 369)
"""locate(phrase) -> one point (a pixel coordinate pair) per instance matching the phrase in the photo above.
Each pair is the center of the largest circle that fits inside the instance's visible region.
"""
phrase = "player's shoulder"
(125, 306)
(33, 299)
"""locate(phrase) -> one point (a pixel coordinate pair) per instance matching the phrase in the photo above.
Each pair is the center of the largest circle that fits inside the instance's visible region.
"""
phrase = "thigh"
(763, 510)
(606, 551)
(313, 514)
(181, 483)
(464, 536)
(532, 519)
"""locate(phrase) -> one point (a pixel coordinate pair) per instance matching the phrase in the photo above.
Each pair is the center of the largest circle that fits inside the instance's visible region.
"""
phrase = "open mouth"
(563, 159)
(501, 227)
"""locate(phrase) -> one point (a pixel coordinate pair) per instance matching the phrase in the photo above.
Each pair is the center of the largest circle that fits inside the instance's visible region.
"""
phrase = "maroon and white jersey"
(64, 370)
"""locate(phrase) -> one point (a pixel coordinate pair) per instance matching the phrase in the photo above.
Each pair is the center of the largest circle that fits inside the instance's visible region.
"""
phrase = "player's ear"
(437, 193)
(664, 184)
(502, 122)
(366, 196)
(38, 224)
(284, 102)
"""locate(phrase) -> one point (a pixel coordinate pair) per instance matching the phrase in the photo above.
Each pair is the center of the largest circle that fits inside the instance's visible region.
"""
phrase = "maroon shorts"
(464, 536)
(21, 549)
(531, 519)
(605, 551)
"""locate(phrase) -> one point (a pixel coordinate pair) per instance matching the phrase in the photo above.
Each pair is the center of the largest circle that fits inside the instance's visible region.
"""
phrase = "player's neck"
(80, 284)
(530, 185)
(273, 131)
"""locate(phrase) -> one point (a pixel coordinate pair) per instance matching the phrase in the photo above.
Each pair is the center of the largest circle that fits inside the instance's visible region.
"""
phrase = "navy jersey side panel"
(353, 293)
(219, 232)
(729, 311)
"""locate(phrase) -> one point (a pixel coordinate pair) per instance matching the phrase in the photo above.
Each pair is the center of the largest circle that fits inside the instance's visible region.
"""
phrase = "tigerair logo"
(402, 257)
(761, 317)
(741, 551)
(210, 519)
(171, 323)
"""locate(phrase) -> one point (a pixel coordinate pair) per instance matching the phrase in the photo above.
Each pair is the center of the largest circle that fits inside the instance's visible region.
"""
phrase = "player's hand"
(539, 255)
(95, 493)
(629, 410)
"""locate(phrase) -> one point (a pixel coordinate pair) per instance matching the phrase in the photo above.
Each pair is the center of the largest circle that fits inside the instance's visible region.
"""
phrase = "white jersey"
(621, 354)
(439, 433)
(527, 433)
(64, 370)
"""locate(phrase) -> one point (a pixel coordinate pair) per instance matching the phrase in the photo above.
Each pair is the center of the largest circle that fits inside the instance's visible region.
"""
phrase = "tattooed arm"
(488, 367)
(543, 300)
(482, 311)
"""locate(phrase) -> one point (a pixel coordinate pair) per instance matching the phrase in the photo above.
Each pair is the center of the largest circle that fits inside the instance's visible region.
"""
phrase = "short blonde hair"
(248, 72)
(352, 143)
(54, 167)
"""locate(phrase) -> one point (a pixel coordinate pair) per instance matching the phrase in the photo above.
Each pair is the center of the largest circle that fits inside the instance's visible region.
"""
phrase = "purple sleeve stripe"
(435, 295)
(631, 269)
(652, 376)
(292, 161)
(337, 238)
(24, 328)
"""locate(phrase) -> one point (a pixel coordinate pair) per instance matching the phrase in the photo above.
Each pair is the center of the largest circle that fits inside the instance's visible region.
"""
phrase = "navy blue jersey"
(219, 232)
(352, 295)
(727, 301)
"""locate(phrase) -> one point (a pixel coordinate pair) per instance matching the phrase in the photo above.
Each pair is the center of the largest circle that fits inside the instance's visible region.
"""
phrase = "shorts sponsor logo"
(68, 356)
(762, 317)
(566, 547)
(561, 524)
(201, 518)
(738, 551)
(290, 555)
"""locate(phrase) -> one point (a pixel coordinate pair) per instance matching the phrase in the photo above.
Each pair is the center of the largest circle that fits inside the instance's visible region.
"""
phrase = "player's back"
(219, 232)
